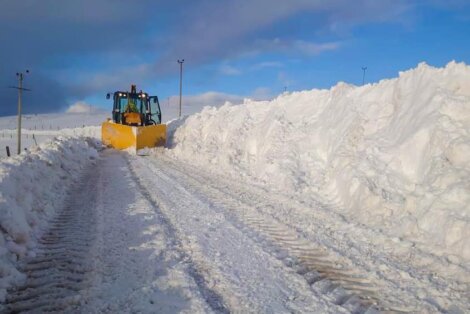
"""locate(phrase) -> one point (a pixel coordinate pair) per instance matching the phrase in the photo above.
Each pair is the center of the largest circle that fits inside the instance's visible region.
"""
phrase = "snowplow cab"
(136, 121)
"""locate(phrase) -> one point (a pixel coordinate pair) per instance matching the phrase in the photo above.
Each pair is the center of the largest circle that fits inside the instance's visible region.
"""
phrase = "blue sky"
(80, 50)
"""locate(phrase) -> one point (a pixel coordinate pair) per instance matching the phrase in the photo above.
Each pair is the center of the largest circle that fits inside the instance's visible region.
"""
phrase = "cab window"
(130, 104)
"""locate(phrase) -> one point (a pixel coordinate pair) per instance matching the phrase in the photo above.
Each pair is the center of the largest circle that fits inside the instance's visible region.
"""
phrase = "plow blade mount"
(135, 137)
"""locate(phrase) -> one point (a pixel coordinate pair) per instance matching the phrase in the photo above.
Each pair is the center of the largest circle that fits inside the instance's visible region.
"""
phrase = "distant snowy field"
(44, 127)
(394, 156)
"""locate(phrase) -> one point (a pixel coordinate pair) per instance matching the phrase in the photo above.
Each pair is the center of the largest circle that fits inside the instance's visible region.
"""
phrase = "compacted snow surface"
(348, 200)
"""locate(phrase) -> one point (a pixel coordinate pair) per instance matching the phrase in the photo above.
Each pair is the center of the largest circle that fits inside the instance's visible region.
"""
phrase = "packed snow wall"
(33, 186)
(394, 155)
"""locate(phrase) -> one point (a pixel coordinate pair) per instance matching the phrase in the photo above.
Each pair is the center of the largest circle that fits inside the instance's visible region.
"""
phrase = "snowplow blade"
(135, 137)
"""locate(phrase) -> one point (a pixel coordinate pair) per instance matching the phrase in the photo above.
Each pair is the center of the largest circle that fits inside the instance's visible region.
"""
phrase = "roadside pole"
(20, 89)
(364, 75)
(181, 82)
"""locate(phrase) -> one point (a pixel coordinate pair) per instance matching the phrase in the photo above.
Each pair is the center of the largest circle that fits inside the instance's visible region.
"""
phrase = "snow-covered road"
(324, 259)
(109, 250)
(150, 234)
(241, 266)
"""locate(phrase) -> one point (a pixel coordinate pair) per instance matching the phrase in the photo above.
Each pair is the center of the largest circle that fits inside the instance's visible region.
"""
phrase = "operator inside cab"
(131, 106)
(131, 113)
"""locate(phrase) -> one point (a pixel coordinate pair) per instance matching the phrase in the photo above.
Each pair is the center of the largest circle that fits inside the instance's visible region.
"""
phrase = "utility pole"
(364, 75)
(20, 89)
(181, 82)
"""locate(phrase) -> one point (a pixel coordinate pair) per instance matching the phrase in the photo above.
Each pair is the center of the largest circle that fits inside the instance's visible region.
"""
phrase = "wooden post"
(20, 90)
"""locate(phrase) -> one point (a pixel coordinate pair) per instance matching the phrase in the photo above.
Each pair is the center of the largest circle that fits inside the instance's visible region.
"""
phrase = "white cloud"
(226, 69)
(312, 49)
(299, 47)
(194, 103)
(119, 78)
(208, 99)
(81, 107)
(262, 93)
(267, 64)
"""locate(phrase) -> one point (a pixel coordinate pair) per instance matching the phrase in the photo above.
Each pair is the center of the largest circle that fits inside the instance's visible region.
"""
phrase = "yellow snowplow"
(136, 121)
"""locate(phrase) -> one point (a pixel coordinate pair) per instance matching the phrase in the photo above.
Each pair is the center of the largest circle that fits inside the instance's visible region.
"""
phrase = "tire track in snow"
(236, 265)
(213, 299)
(313, 264)
(416, 293)
(57, 274)
(326, 275)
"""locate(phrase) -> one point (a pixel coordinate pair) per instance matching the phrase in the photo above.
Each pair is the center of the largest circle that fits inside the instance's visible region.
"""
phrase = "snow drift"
(33, 186)
(393, 155)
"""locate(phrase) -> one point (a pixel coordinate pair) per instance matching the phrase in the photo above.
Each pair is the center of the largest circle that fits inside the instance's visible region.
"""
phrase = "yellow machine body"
(122, 136)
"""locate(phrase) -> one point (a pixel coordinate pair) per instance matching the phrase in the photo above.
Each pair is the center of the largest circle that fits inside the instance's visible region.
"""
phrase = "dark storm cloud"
(40, 35)
(35, 101)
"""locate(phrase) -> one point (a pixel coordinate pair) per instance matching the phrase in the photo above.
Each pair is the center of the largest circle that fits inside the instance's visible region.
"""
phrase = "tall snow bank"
(33, 186)
(393, 155)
